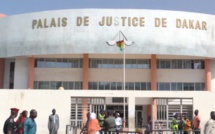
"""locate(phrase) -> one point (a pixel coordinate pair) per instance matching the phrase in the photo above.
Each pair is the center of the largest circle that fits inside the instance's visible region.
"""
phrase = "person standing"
(196, 122)
(93, 125)
(10, 125)
(210, 125)
(181, 124)
(118, 122)
(53, 122)
(30, 126)
(101, 117)
(187, 125)
(109, 122)
(174, 124)
(20, 122)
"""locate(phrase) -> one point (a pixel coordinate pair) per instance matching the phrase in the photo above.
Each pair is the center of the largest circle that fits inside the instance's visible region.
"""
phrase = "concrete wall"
(44, 101)
(21, 73)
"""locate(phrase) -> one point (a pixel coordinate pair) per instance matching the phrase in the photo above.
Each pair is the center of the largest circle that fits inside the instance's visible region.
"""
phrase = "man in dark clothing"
(10, 124)
(109, 122)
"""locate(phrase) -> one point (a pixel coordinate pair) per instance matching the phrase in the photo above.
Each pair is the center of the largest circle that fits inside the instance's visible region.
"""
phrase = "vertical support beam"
(131, 113)
(85, 85)
(31, 63)
(2, 64)
(153, 72)
(208, 74)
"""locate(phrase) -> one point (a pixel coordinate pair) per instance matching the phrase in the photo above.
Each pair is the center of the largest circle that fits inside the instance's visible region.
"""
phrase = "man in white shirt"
(53, 122)
(210, 125)
(118, 122)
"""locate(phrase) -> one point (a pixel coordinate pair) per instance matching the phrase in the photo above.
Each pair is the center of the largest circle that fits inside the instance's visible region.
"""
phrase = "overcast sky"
(12, 7)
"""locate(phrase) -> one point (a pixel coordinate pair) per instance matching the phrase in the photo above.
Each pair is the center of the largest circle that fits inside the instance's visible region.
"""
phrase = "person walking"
(196, 122)
(118, 122)
(10, 125)
(181, 124)
(20, 122)
(53, 122)
(187, 125)
(93, 125)
(30, 126)
(210, 125)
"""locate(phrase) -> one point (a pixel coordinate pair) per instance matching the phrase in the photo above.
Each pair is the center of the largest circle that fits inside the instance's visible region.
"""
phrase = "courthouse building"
(162, 62)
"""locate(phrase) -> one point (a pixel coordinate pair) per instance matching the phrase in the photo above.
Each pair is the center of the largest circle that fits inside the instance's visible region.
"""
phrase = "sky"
(13, 7)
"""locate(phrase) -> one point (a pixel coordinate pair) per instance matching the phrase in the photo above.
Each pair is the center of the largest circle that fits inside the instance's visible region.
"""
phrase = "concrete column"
(208, 74)
(2, 64)
(131, 113)
(31, 62)
(85, 84)
(153, 72)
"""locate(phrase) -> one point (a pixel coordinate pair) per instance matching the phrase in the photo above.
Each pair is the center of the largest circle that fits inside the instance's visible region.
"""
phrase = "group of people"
(27, 125)
(107, 121)
(184, 126)
(22, 125)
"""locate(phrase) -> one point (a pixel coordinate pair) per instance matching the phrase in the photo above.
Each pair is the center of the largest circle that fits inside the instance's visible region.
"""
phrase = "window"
(164, 86)
(176, 86)
(188, 86)
(113, 85)
(58, 63)
(137, 86)
(177, 64)
(57, 84)
(163, 64)
(119, 85)
(199, 86)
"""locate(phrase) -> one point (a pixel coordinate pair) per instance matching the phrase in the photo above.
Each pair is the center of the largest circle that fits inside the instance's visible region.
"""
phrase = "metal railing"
(71, 129)
(145, 132)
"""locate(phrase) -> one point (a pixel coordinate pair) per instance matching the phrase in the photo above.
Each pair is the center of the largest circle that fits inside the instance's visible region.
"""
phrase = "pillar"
(31, 63)
(208, 74)
(153, 72)
(85, 85)
(131, 113)
(2, 64)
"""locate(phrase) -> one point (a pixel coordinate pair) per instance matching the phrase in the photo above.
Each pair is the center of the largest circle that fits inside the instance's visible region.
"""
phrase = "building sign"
(118, 21)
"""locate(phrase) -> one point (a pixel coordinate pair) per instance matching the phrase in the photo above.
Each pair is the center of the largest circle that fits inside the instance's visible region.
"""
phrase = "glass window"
(99, 63)
(104, 63)
(93, 63)
(58, 84)
(126, 86)
(80, 63)
(107, 85)
(143, 86)
(101, 85)
(177, 64)
(199, 86)
(65, 85)
(188, 86)
(35, 85)
(76, 63)
(146, 64)
(110, 63)
(137, 85)
(118, 63)
(164, 86)
(130, 85)
(133, 63)
(119, 85)
(198, 64)
(139, 63)
(148, 86)
(176, 86)
(128, 63)
(187, 64)
(71, 85)
(165, 64)
(53, 85)
(78, 85)
(41, 63)
(113, 85)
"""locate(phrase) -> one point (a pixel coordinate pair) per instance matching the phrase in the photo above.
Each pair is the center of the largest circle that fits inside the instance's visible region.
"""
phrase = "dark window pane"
(119, 85)
(113, 85)
(137, 85)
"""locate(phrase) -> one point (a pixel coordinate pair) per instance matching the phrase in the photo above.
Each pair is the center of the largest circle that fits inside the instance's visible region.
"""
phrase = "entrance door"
(138, 119)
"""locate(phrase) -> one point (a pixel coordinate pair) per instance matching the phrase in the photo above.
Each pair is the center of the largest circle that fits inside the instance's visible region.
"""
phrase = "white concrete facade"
(61, 100)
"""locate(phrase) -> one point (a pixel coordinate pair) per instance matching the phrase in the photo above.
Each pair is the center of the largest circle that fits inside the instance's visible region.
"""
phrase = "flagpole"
(124, 81)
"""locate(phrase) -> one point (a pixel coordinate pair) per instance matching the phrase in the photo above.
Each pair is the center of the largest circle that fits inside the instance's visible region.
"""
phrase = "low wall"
(45, 100)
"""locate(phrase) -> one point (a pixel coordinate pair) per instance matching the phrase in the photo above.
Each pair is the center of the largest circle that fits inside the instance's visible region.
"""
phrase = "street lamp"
(121, 43)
